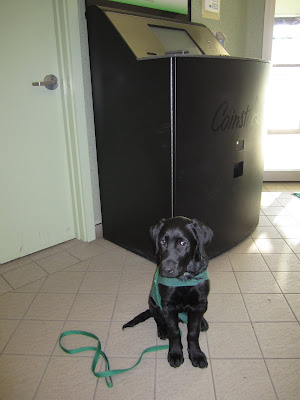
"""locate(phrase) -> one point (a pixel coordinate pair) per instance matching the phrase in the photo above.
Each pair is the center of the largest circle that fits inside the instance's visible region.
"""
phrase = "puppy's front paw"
(198, 359)
(162, 332)
(175, 358)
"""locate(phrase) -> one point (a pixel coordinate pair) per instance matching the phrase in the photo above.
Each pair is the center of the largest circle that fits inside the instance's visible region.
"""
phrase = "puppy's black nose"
(168, 270)
(168, 266)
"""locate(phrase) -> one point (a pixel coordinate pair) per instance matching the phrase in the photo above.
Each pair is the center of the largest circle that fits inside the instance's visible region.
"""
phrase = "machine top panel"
(150, 37)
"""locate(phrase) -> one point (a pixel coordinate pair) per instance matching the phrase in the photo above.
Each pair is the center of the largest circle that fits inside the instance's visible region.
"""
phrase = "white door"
(35, 197)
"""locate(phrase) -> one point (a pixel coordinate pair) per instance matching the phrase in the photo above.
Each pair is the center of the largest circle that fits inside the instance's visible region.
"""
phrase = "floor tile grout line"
(111, 320)
(62, 249)
(62, 330)
(42, 267)
(210, 363)
(30, 261)
(49, 274)
(283, 293)
(20, 320)
(288, 303)
(253, 321)
(154, 378)
(51, 247)
(3, 277)
(35, 261)
(14, 331)
(256, 337)
(29, 283)
(116, 298)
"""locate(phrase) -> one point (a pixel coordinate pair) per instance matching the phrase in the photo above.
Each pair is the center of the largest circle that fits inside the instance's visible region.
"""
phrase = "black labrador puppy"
(180, 287)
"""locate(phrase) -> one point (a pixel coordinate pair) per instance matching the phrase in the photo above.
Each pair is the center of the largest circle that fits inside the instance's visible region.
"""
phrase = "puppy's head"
(180, 246)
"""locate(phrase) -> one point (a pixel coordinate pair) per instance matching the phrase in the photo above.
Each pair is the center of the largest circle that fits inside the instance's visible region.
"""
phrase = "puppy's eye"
(182, 243)
(163, 241)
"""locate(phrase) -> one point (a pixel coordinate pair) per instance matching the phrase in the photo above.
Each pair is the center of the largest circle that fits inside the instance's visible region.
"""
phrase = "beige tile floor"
(253, 343)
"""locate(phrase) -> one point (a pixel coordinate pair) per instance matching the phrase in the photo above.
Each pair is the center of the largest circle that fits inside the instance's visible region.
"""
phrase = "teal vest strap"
(174, 282)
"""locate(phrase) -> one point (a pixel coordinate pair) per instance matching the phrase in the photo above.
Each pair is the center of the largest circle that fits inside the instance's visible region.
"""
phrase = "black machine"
(178, 127)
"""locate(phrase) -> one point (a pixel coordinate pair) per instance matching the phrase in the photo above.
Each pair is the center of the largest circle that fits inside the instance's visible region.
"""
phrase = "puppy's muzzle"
(168, 268)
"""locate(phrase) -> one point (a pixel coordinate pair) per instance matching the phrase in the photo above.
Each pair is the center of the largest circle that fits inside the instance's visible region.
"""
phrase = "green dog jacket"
(174, 282)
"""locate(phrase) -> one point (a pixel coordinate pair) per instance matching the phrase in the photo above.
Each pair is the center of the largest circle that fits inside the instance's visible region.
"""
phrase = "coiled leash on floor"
(108, 373)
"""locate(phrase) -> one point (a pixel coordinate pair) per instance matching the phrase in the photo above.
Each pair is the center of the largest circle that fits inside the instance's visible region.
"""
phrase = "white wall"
(241, 21)
(287, 7)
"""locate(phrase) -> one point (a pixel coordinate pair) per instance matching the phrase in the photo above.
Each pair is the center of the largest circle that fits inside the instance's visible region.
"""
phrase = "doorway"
(282, 161)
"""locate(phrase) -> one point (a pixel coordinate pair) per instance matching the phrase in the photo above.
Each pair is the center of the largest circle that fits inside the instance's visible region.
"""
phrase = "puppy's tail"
(138, 319)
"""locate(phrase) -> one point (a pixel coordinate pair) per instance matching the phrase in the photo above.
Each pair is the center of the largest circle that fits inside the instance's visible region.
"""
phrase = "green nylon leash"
(108, 373)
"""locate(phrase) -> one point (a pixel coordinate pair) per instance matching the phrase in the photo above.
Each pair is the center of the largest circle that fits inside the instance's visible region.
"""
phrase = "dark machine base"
(178, 135)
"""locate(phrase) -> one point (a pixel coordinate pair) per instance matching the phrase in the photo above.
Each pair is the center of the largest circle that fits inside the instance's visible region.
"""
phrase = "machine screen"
(175, 40)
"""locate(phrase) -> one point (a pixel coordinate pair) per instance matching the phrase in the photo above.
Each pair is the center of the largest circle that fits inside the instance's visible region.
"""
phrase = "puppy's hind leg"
(159, 319)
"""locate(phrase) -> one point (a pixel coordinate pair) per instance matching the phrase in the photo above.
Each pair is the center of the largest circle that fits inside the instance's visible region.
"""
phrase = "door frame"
(268, 29)
(76, 120)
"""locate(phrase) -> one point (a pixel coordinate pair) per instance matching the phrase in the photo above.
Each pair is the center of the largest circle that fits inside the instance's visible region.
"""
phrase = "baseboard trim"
(282, 176)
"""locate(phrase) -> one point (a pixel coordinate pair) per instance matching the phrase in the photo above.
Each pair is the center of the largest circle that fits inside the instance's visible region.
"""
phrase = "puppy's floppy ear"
(203, 233)
(154, 231)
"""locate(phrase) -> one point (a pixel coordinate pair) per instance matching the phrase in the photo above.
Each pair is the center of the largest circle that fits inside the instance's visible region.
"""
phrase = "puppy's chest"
(182, 297)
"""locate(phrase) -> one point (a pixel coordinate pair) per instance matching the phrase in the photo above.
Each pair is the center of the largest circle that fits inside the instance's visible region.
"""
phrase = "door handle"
(50, 82)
